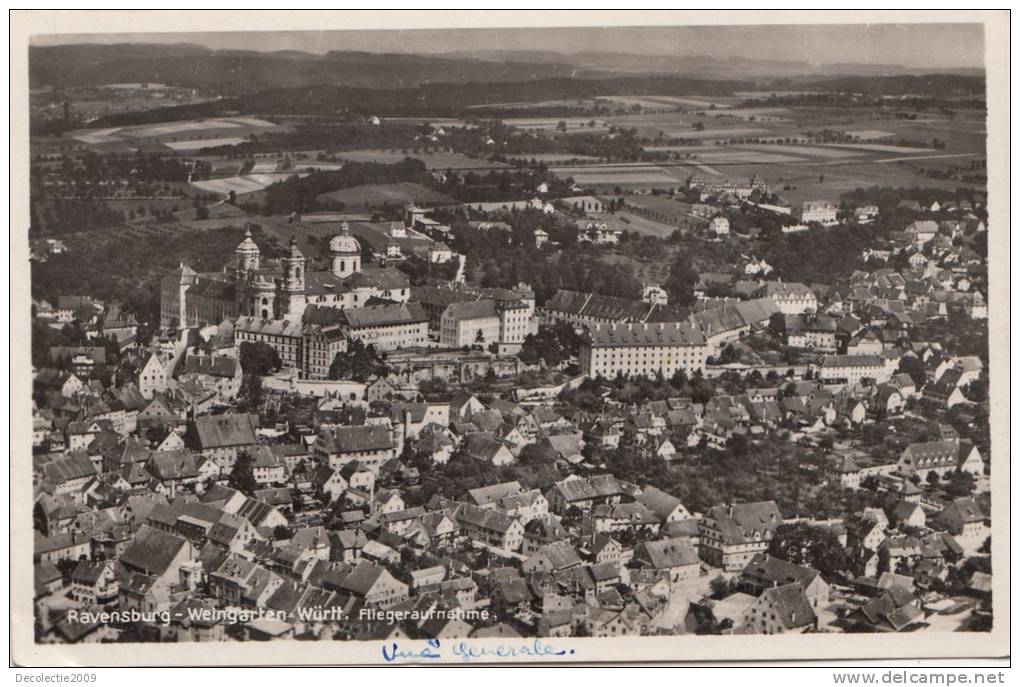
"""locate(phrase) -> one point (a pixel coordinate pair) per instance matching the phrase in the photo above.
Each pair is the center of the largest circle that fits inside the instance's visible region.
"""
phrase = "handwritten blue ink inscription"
(393, 652)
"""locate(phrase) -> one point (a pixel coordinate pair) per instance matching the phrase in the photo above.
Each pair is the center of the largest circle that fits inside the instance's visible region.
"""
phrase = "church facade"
(279, 289)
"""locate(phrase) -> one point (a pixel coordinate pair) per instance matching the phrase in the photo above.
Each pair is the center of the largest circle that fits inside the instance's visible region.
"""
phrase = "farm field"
(551, 124)
(204, 143)
(628, 221)
(714, 133)
(532, 104)
(207, 131)
(716, 125)
(730, 155)
(378, 195)
(247, 183)
(560, 157)
(763, 114)
(797, 172)
(644, 176)
(875, 147)
(825, 152)
(264, 166)
(433, 160)
(685, 102)
(870, 134)
(763, 95)
(827, 181)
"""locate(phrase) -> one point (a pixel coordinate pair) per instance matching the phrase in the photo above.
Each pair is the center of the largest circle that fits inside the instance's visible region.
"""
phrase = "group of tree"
(62, 216)
(301, 194)
(359, 363)
(553, 345)
(242, 476)
(680, 283)
(810, 546)
(259, 358)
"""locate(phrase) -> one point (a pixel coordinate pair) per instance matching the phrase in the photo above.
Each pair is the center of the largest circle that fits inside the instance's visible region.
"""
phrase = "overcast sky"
(908, 45)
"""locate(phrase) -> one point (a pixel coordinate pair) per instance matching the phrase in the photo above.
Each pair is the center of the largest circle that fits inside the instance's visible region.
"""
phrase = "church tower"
(344, 253)
(246, 265)
(292, 290)
(247, 254)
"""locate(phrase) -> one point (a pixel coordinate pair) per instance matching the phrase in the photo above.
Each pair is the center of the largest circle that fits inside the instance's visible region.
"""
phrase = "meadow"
(371, 196)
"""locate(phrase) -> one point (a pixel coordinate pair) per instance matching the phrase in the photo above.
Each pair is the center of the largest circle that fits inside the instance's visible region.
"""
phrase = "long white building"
(642, 349)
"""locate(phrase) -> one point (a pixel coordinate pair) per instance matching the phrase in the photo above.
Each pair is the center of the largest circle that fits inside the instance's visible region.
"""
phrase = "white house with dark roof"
(152, 562)
(767, 572)
(781, 610)
(676, 557)
(642, 349)
(490, 527)
(371, 445)
(940, 457)
(732, 535)
(221, 437)
(666, 507)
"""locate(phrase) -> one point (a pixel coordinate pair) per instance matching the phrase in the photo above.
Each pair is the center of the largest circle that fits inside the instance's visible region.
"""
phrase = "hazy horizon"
(910, 46)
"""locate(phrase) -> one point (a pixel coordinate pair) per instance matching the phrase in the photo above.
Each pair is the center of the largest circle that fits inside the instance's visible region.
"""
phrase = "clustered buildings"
(161, 492)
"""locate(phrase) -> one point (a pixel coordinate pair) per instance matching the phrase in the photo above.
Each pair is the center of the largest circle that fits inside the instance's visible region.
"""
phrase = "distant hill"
(234, 72)
(936, 85)
(240, 72)
(431, 100)
(700, 66)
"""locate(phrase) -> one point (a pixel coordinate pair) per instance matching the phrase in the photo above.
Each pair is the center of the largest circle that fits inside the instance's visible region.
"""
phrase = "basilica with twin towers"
(278, 289)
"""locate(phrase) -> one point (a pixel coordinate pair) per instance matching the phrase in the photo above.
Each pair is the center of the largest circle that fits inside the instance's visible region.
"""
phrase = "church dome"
(343, 243)
(247, 245)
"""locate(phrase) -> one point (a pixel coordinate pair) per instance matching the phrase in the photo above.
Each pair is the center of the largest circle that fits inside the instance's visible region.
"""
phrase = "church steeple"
(247, 253)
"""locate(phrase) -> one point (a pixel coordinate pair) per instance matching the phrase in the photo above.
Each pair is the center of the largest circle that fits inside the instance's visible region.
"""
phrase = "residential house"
(675, 557)
(768, 572)
(371, 445)
(732, 535)
(781, 610)
(221, 437)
